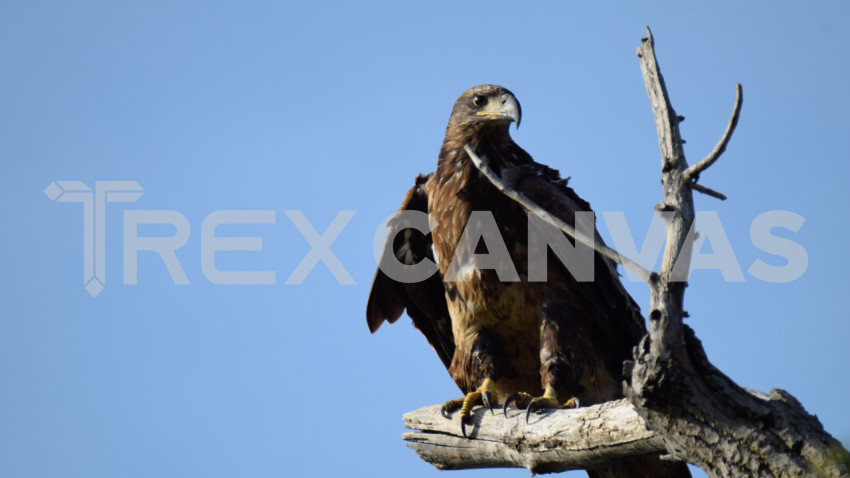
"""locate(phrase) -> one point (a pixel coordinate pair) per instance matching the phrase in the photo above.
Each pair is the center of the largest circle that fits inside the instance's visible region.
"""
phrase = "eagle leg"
(560, 368)
(483, 395)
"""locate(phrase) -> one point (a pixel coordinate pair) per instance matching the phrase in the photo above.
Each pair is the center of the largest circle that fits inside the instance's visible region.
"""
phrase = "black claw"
(463, 422)
(485, 397)
(444, 412)
(531, 408)
(511, 398)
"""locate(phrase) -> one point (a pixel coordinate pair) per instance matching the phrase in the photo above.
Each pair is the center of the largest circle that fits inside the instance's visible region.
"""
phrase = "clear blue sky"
(324, 107)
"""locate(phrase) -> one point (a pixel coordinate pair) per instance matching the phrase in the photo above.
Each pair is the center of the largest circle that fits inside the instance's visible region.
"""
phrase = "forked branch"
(703, 416)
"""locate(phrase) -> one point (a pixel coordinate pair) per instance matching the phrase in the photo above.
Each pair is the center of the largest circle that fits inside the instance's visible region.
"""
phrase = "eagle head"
(485, 106)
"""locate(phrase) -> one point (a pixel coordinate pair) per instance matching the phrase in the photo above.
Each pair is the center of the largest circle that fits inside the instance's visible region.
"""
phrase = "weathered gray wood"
(556, 441)
(667, 291)
(702, 416)
(706, 419)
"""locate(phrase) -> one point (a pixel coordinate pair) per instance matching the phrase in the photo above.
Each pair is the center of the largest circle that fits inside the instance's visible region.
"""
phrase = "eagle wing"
(424, 301)
(609, 309)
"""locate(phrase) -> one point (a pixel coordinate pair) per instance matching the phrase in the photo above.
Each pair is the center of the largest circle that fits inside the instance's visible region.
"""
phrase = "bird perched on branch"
(511, 319)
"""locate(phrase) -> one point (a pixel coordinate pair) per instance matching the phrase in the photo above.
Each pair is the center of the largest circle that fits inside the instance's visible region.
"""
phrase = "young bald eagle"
(505, 336)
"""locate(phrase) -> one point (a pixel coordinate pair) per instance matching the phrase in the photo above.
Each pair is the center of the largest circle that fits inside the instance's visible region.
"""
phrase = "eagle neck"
(493, 145)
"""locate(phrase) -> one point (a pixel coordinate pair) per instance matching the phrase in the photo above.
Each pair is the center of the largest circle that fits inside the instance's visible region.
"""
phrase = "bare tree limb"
(560, 440)
(703, 416)
(707, 191)
(554, 220)
(667, 291)
(694, 171)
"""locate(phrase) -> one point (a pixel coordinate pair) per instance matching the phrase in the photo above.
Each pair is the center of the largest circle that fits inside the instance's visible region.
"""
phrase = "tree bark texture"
(556, 441)
(703, 417)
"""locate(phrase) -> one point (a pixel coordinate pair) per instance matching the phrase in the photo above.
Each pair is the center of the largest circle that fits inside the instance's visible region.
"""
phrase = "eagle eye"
(479, 100)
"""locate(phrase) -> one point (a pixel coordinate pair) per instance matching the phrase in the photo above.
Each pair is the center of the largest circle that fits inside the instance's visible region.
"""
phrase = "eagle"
(509, 329)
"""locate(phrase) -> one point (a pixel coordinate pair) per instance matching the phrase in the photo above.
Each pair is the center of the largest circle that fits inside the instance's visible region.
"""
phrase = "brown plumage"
(498, 332)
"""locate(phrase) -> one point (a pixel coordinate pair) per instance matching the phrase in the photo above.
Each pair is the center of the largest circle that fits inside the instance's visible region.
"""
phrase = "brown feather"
(424, 301)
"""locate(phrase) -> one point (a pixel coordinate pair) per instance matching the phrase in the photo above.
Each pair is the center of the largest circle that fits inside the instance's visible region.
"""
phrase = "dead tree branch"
(694, 171)
(521, 198)
(666, 303)
(560, 440)
(704, 417)
(707, 191)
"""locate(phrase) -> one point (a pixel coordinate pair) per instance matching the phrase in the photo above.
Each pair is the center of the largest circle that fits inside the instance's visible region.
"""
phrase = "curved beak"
(505, 107)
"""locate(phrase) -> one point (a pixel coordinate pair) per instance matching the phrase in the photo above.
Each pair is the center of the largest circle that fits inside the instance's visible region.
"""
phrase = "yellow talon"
(549, 400)
(483, 395)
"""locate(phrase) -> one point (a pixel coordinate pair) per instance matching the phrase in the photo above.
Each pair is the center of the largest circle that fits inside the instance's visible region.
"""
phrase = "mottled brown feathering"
(523, 335)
